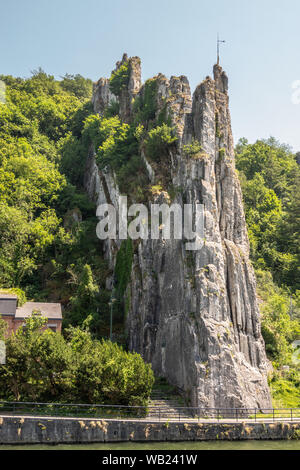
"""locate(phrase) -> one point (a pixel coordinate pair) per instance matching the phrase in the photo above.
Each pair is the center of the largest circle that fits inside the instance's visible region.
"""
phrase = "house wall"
(55, 323)
(52, 323)
(9, 319)
(14, 324)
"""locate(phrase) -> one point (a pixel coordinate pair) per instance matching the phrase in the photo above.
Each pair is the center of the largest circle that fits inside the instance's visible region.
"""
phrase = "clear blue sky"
(261, 56)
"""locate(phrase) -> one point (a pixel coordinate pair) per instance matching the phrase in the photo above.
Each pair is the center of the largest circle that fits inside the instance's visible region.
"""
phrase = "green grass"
(73, 411)
(278, 413)
(285, 393)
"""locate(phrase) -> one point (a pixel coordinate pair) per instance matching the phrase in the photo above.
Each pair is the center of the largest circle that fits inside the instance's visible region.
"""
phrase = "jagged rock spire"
(194, 315)
(102, 94)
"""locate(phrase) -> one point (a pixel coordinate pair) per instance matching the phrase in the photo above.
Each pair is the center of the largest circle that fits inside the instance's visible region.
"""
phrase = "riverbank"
(41, 430)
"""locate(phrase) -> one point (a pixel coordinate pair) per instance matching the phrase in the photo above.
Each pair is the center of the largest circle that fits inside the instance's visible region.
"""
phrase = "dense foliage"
(145, 106)
(270, 178)
(48, 244)
(159, 141)
(42, 366)
(49, 249)
(123, 265)
(119, 79)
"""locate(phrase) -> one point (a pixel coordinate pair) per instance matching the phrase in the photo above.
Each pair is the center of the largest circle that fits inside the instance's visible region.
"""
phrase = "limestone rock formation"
(192, 314)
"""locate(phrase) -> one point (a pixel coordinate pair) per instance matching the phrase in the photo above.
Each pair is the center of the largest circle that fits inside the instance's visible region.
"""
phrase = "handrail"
(137, 406)
(92, 405)
(159, 412)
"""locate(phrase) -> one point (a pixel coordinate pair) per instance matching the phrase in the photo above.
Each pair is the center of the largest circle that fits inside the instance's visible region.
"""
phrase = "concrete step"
(166, 410)
(170, 416)
(176, 406)
(160, 393)
(169, 408)
(164, 403)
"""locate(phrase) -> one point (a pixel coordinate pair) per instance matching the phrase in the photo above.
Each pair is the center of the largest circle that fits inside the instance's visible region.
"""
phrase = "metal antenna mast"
(219, 41)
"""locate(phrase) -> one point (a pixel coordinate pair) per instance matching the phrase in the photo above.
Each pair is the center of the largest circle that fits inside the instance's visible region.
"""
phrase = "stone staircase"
(166, 405)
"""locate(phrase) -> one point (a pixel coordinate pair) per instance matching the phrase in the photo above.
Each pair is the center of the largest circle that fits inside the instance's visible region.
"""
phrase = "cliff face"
(192, 314)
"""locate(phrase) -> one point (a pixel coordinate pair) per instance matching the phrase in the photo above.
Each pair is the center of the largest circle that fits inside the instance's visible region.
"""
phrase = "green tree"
(159, 141)
(77, 85)
(107, 374)
(38, 364)
(270, 177)
(42, 366)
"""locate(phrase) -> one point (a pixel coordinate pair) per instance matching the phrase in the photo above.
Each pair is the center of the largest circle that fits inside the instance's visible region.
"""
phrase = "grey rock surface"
(194, 314)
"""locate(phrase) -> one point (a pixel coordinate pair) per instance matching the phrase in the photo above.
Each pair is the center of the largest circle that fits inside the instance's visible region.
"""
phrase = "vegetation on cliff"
(119, 79)
(145, 106)
(159, 141)
(117, 147)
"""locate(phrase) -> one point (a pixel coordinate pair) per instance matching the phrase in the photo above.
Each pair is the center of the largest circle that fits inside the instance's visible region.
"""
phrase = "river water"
(207, 445)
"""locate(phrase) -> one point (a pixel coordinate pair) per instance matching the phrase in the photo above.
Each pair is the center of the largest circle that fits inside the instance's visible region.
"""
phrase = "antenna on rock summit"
(219, 41)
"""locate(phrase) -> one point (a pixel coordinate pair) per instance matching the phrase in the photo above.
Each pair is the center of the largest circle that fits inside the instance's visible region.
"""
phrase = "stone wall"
(28, 430)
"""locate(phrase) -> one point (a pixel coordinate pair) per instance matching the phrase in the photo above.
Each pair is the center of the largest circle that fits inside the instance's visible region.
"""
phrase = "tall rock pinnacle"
(193, 314)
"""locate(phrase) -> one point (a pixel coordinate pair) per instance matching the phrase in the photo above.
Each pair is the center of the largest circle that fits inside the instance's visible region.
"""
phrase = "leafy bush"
(164, 116)
(145, 105)
(112, 109)
(123, 265)
(278, 328)
(193, 150)
(18, 292)
(159, 140)
(43, 366)
(108, 374)
(119, 79)
(285, 389)
(73, 158)
(116, 143)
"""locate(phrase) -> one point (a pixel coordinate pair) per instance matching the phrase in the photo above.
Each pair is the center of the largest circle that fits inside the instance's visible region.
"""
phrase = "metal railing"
(154, 413)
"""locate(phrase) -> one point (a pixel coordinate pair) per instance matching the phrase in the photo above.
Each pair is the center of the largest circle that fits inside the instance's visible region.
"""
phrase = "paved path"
(163, 420)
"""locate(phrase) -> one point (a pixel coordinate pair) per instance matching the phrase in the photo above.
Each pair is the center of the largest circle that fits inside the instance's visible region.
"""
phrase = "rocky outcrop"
(102, 95)
(193, 314)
